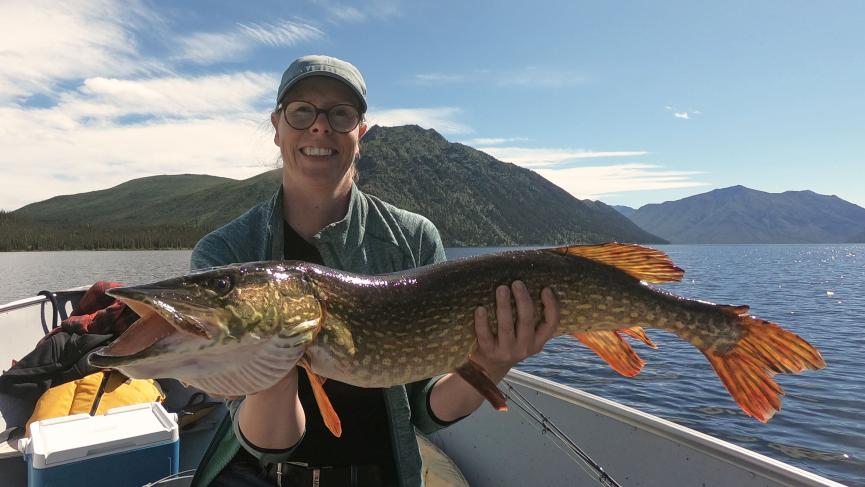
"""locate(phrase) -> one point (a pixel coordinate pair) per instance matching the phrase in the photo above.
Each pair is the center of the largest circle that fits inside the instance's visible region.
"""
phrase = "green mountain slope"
(741, 215)
(477, 200)
(473, 198)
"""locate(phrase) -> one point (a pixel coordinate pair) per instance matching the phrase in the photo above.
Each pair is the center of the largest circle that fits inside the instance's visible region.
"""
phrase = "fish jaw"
(233, 330)
(221, 365)
(234, 368)
(177, 304)
(171, 326)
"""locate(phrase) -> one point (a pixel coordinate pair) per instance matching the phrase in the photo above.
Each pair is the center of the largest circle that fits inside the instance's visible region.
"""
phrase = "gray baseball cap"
(332, 67)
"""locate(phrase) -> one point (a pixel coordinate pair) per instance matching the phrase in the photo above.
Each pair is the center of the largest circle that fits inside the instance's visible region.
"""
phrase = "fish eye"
(222, 284)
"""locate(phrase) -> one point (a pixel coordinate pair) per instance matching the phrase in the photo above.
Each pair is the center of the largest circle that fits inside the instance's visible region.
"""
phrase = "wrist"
(495, 370)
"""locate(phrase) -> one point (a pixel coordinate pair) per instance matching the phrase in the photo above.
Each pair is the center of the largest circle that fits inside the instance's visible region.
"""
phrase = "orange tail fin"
(611, 347)
(764, 350)
(328, 414)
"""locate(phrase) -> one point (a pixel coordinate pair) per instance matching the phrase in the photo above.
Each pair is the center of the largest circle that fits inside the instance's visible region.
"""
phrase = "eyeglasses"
(343, 118)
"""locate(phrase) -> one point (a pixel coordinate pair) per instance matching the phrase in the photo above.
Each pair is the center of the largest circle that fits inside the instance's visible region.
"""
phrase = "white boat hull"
(634, 448)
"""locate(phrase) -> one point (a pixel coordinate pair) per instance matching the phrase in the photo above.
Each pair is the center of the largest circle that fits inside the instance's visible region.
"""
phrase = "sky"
(627, 102)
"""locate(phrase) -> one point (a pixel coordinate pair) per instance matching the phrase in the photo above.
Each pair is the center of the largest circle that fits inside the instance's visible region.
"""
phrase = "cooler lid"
(71, 438)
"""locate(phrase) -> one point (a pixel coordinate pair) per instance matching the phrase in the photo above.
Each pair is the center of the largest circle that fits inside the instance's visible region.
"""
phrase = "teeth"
(316, 151)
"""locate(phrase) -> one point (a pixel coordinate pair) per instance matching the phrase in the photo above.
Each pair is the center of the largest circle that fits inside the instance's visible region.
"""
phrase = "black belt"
(290, 474)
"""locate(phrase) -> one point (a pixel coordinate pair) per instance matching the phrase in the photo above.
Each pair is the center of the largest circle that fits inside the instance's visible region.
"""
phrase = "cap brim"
(360, 97)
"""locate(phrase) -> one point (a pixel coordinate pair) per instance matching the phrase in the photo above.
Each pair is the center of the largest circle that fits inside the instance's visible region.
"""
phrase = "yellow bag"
(78, 396)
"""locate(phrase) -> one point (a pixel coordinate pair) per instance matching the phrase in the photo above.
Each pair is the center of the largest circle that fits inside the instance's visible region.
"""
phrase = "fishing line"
(564, 443)
(182, 475)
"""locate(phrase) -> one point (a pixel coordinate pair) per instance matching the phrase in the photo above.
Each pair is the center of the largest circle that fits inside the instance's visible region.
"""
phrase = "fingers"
(504, 317)
(486, 340)
(517, 336)
(525, 328)
(549, 327)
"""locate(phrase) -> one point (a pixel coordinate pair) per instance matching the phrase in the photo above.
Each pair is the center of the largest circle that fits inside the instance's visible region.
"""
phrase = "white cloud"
(682, 114)
(539, 157)
(209, 124)
(597, 181)
(540, 77)
(345, 14)
(438, 78)
(46, 153)
(442, 119)
(481, 141)
(213, 47)
(530, 76)
(359, 10)
(46, 41)
(172, 97)
(592, 182)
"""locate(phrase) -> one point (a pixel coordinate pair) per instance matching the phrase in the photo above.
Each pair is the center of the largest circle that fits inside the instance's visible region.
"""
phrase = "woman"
(319, 215)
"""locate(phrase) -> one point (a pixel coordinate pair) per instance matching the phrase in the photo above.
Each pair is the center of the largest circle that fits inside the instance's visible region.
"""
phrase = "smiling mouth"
(317, 151)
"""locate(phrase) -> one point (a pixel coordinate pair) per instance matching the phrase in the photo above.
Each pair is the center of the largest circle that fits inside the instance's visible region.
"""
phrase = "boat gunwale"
(757, 463)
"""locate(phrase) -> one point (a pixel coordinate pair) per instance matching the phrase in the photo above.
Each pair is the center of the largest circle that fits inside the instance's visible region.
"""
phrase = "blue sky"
(626, 102)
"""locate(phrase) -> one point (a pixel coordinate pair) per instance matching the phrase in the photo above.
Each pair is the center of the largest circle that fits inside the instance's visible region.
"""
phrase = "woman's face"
(318, 156)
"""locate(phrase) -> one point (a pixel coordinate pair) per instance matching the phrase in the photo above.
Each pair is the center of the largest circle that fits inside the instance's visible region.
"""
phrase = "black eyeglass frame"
(318, 111)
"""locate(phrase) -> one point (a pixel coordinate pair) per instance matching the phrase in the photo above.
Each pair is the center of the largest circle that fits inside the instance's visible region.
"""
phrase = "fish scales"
(436, 306)
(379, 331)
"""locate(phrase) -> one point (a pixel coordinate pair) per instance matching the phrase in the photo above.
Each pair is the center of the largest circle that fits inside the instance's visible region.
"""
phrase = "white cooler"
(127, 446)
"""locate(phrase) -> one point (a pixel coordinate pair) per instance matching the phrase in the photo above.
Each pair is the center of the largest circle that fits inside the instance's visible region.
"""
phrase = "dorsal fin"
(739, 310)
(644, 263)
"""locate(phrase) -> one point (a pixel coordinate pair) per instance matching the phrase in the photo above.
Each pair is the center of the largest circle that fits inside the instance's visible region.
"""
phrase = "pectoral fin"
(478, 378)
(328, 414)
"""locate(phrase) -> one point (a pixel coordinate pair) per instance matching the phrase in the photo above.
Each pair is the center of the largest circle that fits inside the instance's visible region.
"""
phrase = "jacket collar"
(343, 237)
(346, 234)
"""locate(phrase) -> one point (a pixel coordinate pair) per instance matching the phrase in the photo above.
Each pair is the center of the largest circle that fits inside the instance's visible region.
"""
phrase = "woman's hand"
(517, 337)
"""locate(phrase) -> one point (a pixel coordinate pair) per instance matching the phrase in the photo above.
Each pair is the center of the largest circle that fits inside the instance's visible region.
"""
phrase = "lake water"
(817, 291)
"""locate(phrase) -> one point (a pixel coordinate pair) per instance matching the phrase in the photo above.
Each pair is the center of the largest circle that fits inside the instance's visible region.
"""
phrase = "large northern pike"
(238, 329)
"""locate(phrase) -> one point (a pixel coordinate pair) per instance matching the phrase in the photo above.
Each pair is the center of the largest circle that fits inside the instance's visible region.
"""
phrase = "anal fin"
(478, 378)
(328, 414)
(613, 349)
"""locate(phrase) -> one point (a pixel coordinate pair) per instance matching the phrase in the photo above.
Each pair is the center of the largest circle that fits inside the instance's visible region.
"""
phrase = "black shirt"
(365, 432)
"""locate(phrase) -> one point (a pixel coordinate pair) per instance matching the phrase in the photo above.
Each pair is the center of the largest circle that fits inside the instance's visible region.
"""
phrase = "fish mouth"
(166, 314)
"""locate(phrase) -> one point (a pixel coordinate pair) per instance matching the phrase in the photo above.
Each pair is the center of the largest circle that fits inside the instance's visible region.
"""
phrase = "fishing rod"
(565, 443)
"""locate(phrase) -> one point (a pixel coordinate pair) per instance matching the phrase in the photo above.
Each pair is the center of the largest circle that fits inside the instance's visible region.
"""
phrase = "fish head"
(213, 319)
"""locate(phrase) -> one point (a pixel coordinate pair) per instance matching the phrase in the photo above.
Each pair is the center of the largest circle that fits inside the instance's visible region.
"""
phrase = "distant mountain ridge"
(474, 200)
(741, 215)
(624, 210)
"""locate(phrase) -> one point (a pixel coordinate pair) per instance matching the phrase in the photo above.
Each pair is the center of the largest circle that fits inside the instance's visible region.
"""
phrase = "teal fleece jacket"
(373, 238)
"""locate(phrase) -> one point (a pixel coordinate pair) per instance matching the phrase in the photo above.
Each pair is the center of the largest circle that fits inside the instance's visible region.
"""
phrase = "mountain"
(473, 198)
(477, 200)
(624, 210)
(741, 215)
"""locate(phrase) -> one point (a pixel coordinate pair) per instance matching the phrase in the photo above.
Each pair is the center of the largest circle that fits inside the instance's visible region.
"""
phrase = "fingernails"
(502, 291)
